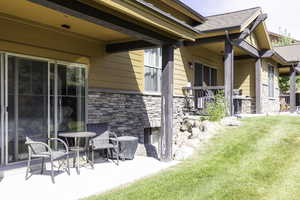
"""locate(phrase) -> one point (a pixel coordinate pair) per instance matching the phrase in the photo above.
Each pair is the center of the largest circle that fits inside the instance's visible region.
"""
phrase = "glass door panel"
(70, 98)
(2, 108)
(27, 104)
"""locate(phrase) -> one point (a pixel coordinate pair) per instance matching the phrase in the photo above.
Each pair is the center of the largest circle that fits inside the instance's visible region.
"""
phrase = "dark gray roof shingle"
(227, 20)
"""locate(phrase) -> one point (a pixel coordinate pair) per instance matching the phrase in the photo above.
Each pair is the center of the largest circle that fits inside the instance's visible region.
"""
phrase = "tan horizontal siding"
(244, 76)
(183, 73)
(123, 71)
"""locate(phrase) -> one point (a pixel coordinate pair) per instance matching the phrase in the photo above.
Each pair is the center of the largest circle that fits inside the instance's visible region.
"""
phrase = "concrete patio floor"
(105, 176)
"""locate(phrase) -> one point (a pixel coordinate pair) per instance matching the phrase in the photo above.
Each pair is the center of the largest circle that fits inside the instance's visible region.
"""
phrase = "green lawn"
(259, 161)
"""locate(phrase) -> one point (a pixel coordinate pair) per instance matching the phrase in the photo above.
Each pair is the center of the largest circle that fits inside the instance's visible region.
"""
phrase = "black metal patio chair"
(37, 149)
(104, 140)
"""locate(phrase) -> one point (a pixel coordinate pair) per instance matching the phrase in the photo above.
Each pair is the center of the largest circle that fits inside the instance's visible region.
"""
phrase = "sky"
(282, 14)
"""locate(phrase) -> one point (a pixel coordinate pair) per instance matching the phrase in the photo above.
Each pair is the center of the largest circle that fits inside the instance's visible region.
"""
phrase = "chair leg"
(74, 160)
(28, 167)
(42, 169)
(77, 164)
(117, 155)
(107, 152)
(52, 171)
(68, 165)
(93, 158)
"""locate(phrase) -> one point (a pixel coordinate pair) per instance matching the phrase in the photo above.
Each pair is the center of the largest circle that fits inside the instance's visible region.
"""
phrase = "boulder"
(195, 133)
(230, 121)
(197, 124)
(183, 153)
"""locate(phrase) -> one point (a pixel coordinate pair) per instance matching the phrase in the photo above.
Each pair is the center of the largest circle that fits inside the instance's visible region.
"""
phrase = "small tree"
(216, 109)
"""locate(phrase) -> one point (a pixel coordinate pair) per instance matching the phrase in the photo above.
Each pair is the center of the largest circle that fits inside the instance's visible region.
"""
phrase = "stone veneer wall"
(129, 114)
(248, 106)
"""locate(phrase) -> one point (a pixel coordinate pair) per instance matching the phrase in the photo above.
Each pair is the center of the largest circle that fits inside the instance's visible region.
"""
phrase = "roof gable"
(232, 20)
(290, 53)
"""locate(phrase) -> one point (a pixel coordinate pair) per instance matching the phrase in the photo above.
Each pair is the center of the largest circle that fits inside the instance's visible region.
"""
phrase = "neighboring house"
(68, 63)
(255, 69)
(291, 53)
(276, 38)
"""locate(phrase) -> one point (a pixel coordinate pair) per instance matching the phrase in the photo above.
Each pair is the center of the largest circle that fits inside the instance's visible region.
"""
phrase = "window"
(271, 80)
(153, 62)
(205, 76)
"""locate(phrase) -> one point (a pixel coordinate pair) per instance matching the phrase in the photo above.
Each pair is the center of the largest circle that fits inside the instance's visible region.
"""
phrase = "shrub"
(216, 109)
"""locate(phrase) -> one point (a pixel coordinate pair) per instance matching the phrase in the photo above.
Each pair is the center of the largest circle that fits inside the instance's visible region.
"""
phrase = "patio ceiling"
(39, 15)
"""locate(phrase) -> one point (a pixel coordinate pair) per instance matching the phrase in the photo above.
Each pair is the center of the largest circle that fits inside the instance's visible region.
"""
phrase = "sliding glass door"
(39, 98)
(2, 108)
(27, 104)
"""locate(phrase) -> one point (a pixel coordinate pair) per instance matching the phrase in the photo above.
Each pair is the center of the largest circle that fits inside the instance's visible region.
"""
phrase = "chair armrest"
(114, 138)
(39, 143)
(61, 141)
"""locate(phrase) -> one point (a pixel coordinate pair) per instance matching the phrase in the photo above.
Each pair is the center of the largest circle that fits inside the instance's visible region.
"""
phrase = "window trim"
(210, 73)
(158, 68)
(273, 82)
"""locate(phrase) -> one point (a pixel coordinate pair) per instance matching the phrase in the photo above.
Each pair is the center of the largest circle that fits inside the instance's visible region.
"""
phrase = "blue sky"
(284, 14)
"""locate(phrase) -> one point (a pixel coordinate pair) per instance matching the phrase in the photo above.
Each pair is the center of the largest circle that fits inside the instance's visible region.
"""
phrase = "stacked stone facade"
(129, 113)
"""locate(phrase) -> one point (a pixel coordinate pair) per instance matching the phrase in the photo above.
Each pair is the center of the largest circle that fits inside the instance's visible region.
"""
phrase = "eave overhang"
(150, 15)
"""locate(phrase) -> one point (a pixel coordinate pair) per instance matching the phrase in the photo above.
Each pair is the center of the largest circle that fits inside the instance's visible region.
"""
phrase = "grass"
(258, 161)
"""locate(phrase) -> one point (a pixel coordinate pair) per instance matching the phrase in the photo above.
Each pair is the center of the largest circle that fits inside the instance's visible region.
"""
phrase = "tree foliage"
(284, 83)
(285, 40)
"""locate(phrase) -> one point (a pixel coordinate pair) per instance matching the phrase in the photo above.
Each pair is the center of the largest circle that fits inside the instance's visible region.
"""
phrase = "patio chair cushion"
(46, 154)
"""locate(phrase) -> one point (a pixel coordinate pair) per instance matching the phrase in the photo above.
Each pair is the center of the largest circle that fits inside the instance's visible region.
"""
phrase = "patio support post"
(228, 75)
(258, 86)
(167, 103)
(293, 89)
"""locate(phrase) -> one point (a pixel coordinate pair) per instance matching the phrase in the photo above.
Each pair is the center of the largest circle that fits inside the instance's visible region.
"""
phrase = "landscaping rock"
(195, 133)
(197, 124)
(183, 153)
(230, 121)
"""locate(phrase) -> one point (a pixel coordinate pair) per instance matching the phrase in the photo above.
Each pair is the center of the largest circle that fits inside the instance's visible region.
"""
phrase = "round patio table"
(76, 148)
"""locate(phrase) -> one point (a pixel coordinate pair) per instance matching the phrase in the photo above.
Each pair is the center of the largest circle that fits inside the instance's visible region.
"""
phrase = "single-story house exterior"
(126, 63)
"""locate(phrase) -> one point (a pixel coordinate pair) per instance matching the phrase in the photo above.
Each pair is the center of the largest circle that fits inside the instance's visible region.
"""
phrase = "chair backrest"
(102, 131)
(35, 148)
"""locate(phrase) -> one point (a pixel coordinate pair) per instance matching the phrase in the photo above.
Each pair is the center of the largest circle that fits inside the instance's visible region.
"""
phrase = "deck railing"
(197, 98)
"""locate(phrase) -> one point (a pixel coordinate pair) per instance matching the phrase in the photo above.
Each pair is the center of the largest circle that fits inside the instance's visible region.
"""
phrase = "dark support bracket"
(293, 89)
(129, 46)
(267, 54)
(228, 72)
(167, 102)
(247, 47)
(258, 86)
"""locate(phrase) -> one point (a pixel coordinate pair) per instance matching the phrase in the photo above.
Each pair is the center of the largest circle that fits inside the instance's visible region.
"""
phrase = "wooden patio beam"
(267, 53)
(258, 86)
(228, 75)
(292, 89)
(167, 102)
(220, 38)
(129, 46)
(88, 13)
(242, 44)
(243, 57)
(261, 18)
